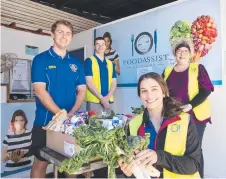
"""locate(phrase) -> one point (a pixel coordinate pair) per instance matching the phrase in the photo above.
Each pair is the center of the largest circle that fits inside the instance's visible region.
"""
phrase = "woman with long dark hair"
(174, 147)
(111, 53)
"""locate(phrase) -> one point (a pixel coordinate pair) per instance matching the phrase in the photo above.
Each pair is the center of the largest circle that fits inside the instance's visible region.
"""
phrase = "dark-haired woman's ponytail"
(171, 107)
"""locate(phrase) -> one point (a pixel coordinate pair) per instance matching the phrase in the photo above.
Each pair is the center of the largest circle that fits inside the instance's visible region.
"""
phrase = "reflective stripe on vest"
(96, 80)
(175, 141)
(202, 111)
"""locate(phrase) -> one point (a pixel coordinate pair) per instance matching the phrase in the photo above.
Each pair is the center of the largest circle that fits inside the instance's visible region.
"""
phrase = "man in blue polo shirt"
(59, 83)
(100, 79)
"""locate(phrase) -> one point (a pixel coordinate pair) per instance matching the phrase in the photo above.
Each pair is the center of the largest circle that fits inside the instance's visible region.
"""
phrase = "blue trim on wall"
(15, 171)
(127, 85)
(215, 82)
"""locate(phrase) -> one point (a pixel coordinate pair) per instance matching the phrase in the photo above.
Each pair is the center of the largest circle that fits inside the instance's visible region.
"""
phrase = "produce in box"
(110, 145)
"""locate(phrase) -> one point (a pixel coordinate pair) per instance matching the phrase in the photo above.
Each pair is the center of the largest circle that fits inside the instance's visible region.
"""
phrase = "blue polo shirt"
(62, 76)
(149, 128)
(103, 73)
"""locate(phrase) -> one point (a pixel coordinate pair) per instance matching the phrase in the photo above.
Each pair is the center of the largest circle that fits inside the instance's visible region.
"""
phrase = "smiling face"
(151, 93)
(183, 56)
(100, 46)
(62, 36)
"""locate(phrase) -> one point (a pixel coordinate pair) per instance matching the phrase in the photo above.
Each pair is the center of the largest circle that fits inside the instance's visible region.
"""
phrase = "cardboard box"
(61, 143)
(65, 145)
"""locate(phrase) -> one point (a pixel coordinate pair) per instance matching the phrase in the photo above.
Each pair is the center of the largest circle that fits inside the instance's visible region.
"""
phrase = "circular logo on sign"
(143, 43)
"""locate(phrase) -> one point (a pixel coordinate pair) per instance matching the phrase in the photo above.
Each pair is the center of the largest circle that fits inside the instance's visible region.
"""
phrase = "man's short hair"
(98, 38)
(63, 22)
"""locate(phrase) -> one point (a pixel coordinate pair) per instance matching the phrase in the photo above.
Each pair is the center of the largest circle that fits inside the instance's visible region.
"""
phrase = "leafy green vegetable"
(138, 110)
(138, 142)
(97, 141)
(179, 30)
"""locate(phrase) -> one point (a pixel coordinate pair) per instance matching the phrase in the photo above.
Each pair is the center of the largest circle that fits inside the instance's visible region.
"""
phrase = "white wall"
(14, 41)
(82, 39)
(214, 143)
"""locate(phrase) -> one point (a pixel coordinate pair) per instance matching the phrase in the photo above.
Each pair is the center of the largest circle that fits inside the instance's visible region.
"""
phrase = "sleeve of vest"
(187, 164)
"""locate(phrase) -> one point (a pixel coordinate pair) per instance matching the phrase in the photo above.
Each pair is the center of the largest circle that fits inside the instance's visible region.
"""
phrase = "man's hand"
(105, 101)
(70, 114)
(57, 121)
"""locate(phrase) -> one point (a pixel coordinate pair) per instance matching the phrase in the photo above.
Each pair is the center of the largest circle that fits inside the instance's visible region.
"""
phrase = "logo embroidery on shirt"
(193, 70)
(73, 67)
(175, 127)
(52, 66)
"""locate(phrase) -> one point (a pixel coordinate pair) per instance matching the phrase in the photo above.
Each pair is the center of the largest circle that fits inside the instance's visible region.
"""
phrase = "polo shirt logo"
(52, 66)
(73, 67)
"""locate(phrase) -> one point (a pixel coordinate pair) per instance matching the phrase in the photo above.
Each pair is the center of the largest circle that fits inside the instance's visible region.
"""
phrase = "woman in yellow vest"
(190, 84)
(174, 147)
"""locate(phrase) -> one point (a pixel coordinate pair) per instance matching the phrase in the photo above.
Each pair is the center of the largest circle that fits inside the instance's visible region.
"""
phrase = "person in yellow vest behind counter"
(190, 84)
(100, 79)
(174, 147)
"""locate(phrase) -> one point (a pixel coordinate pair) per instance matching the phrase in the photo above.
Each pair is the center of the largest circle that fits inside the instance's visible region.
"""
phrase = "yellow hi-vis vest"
(175, 142)
(96, 80)
(202, 111)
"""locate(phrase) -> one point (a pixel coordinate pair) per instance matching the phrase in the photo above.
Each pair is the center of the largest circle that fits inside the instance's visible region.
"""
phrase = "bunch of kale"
(109, 145)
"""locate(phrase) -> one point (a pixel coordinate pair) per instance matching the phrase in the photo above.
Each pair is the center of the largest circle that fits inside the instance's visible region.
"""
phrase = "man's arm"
(113, 84)
(92, 87)
(81, 93)
(44, 97)
(113, 87)
(38, 76)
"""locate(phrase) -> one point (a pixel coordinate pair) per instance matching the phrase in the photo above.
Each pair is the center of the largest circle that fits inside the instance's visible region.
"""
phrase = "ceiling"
(38, 16)
(28, 15)
(104, 11)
